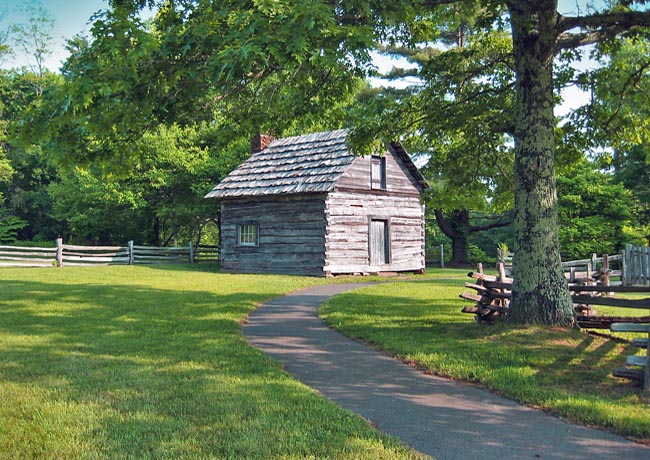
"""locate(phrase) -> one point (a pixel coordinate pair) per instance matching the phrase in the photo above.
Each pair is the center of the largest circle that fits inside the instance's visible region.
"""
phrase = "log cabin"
(307, 205)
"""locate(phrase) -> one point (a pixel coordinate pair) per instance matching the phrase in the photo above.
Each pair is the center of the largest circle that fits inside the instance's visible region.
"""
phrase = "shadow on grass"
(212, 267)
(166, 373)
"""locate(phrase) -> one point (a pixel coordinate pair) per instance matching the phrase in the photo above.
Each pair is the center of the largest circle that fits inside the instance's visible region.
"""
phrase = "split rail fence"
(492, 303)
(75, 255)
(628, 268)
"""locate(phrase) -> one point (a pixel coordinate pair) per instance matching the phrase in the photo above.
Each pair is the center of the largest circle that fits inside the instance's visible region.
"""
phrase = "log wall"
(323, 234)
(347, 241)
(291, 235)
(354, 203)
(398, 178)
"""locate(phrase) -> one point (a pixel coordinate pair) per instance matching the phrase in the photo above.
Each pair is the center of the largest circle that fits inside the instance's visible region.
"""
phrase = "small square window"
(248, 235)
(378, 172)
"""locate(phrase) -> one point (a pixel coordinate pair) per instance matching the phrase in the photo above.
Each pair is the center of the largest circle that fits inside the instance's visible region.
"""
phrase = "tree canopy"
(490, 71)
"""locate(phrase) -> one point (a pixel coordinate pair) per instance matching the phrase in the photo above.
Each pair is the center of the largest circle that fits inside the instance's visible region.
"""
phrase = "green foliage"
(594, 212)
(258, 66)
(459, 116)
(618, 115)
(159, 200)
(9, 226)
(32, 170)
(632, 170)
(6, 171)
(476, 255)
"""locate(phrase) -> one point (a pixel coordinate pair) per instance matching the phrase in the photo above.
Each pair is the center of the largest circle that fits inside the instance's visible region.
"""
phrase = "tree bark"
(540, 292)
(456, 229)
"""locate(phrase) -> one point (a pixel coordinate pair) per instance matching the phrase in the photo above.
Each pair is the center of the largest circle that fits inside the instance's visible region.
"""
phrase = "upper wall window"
(378, 172)
(248, 235)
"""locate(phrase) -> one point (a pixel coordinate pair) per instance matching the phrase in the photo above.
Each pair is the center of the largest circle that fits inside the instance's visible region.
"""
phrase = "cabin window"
(248, 235)
(378, 172)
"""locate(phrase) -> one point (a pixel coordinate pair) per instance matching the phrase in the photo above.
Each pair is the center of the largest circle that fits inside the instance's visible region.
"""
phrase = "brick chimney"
(259, 142)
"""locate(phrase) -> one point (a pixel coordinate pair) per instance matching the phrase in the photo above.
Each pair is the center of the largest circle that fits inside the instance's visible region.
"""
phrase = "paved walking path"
(447, 420)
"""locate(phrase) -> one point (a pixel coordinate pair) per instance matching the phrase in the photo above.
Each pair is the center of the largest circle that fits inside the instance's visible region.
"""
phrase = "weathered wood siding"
(398, 178)
(354, 204)
(291, 235)
(349, 216)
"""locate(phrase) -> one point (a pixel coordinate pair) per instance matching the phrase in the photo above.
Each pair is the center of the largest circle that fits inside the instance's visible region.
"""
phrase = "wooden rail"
(14, 256)
(584, 270)
(75, 255)
(637, 367)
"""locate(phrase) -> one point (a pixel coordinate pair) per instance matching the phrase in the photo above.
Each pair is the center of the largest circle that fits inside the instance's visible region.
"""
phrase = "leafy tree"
(595, 213)
(259, 66)
(34, 38)
(9, 224)
(632, 170)
(618, 113)
(26, 194)
(160, 201)
(542, 40)
(263, 63)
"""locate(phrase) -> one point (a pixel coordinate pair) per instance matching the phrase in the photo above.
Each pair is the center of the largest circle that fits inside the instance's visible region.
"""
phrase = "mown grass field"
(150, 363)
(562, 371)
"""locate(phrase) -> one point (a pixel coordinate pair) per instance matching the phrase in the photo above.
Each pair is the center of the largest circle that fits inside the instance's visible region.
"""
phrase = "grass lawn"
(562, 371)
(150, 363)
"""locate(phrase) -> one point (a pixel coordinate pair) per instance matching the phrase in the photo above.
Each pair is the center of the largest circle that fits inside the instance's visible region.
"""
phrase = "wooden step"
(627, 373)
(636, 361)
(640, 342)
(629, 327)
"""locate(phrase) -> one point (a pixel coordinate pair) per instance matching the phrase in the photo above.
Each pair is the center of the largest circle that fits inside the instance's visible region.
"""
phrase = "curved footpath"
(447, 420)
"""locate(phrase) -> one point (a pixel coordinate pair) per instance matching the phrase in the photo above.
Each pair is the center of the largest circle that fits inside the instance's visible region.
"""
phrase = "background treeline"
(123, 142)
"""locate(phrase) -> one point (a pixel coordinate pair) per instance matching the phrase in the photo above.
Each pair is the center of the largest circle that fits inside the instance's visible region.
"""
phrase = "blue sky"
(71, 18)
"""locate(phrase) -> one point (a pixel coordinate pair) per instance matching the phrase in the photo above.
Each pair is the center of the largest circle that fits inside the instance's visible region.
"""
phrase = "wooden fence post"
(645, 264)
(605, 270)
(624, 267)
(59, 252)
(131, 256)
(191, 253)
(646, 376)
(442, 256)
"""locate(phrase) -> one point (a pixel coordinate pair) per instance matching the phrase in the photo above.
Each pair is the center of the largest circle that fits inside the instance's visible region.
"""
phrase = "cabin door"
(379, 242)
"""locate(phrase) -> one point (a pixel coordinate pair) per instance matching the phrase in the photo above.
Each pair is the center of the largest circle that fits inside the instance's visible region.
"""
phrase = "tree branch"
(598, 27)
(626, 19)
(446, 228)
(482, 228)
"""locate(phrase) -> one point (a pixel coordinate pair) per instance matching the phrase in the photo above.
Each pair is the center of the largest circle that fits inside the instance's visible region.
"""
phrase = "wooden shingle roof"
(300, 164)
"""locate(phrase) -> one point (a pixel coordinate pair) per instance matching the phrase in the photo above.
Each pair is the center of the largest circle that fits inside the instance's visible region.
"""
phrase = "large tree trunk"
(457, 229)
(539, 293)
